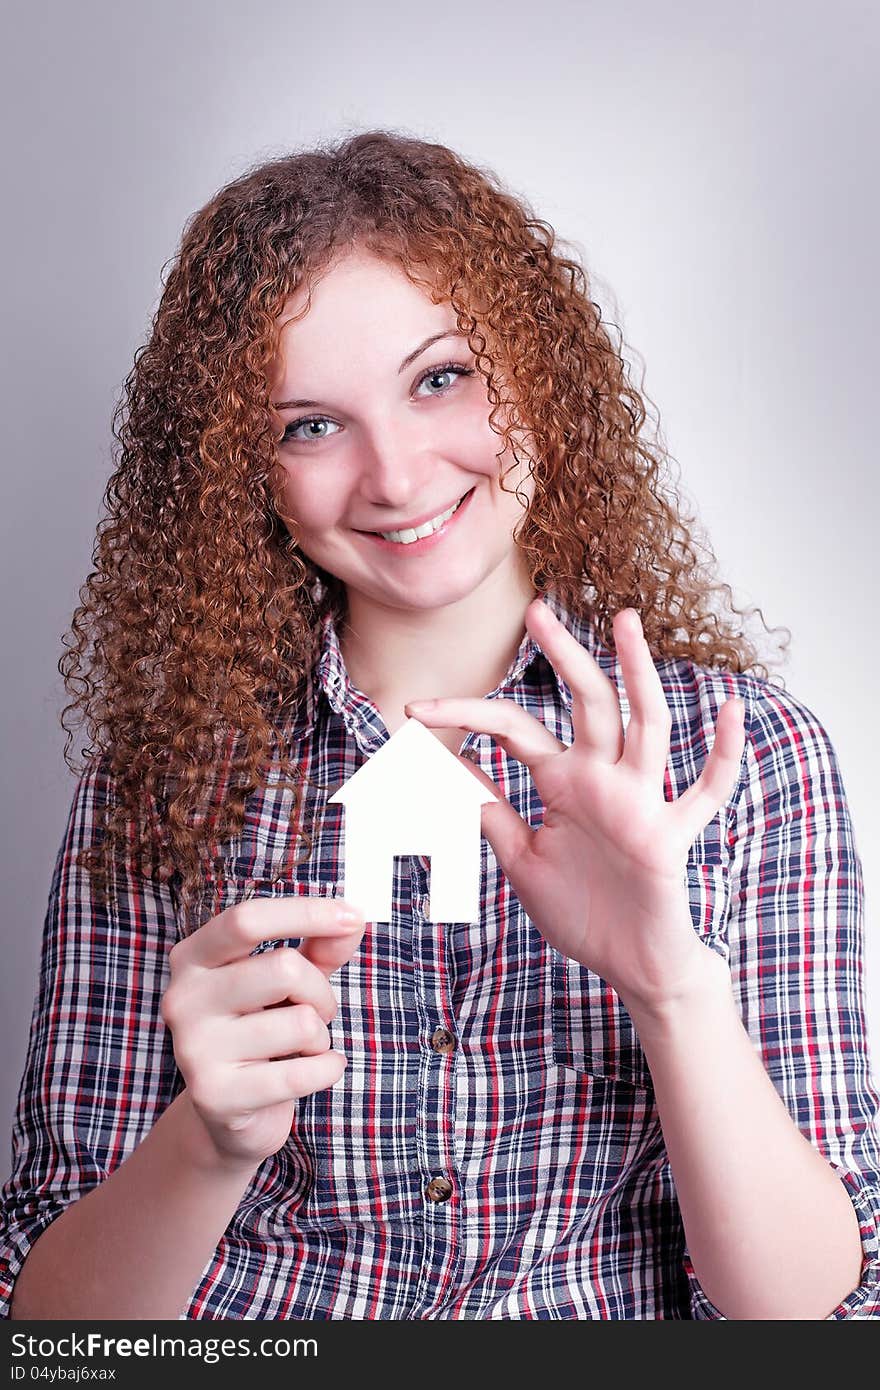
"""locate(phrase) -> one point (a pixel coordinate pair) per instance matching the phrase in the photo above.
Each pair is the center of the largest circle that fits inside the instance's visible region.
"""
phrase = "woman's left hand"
(603, 878)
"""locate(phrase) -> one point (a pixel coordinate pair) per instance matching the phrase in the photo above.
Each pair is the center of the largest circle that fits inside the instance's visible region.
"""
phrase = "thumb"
(509, 835)
(329, 952)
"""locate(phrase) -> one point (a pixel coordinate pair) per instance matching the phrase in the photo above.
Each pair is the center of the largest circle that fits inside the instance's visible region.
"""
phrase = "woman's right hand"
(250, 1032)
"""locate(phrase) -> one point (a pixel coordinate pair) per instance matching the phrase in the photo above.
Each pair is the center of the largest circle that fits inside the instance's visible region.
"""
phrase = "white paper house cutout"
(413, 797)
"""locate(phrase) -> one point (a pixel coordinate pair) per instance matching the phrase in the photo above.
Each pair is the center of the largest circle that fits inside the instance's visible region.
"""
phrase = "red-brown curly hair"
(202, 614)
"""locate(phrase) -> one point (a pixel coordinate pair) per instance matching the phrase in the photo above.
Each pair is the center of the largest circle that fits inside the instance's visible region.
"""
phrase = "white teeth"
(427, 529)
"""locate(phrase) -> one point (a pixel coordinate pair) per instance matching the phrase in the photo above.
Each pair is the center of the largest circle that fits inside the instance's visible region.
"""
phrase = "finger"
(276, 976)
(273, 1033)
(510, 836)
(235, 932)
(256, 1085)
(595, 705)
(519, 733)
(328, 953)
(646, 747)
(700, 802)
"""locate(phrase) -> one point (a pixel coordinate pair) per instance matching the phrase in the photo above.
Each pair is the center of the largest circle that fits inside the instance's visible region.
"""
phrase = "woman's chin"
(416, 595)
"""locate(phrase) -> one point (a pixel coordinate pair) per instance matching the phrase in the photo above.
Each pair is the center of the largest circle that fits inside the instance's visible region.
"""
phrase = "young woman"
(381, 450)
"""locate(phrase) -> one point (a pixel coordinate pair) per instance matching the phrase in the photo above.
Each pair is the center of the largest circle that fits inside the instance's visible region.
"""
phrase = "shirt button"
(442, 1040)
(438, 1190)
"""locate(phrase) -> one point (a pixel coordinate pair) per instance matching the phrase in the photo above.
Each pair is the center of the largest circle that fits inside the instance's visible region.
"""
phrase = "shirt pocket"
(592, 1031)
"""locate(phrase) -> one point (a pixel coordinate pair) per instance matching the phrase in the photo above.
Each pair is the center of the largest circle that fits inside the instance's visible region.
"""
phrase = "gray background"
(711, 162)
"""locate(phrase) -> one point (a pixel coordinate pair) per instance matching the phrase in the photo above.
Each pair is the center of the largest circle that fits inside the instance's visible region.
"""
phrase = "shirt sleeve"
(795, 932)
(100, 1065)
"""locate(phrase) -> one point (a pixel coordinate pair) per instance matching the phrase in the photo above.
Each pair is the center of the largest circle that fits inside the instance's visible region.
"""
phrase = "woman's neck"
(395, 655)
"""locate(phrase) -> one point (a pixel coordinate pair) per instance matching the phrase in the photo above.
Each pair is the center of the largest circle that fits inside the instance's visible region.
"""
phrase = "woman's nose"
(397, 469)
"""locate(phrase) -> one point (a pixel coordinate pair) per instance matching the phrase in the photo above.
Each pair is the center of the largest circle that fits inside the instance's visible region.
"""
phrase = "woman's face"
(388, 432)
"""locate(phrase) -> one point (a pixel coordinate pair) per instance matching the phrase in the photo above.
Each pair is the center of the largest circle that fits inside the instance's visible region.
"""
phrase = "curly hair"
(199, 625)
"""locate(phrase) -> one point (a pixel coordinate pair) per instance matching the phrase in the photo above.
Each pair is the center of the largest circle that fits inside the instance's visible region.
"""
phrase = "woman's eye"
(451, 369)
(308, 425)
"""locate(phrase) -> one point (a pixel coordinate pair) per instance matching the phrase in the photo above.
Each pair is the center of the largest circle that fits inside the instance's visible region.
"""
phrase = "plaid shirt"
(493, 1149)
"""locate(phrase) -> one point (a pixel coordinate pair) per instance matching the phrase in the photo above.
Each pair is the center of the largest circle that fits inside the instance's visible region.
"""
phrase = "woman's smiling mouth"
(426, 535)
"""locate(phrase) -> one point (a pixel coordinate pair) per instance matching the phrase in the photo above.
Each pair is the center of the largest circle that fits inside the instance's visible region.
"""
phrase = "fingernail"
(421, 704)
(349, 916)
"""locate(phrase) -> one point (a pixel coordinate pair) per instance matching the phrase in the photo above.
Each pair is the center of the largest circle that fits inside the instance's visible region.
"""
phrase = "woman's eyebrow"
(435, 337)
(407, 361)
